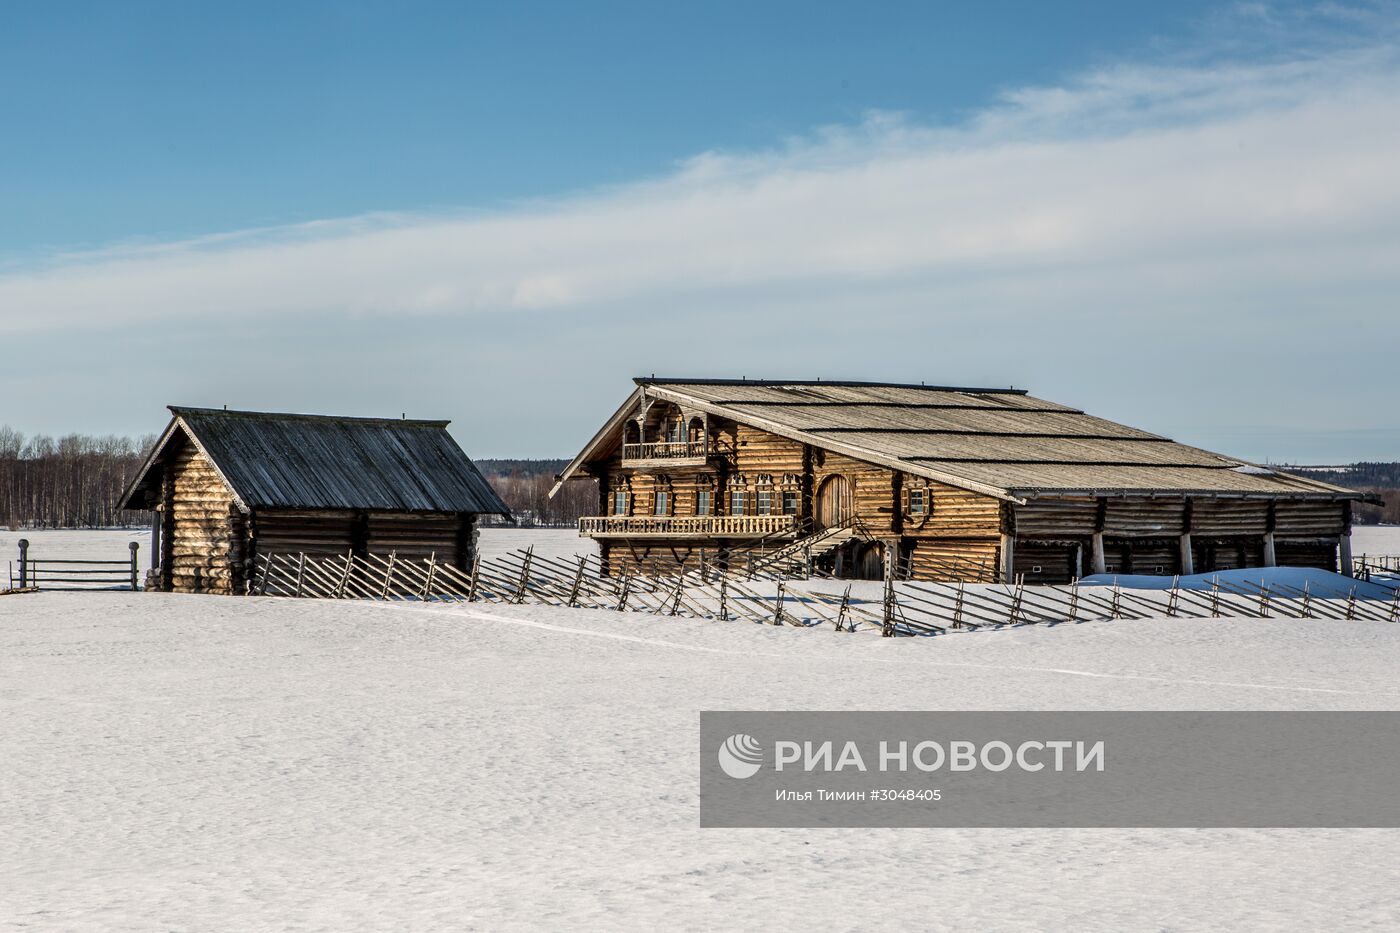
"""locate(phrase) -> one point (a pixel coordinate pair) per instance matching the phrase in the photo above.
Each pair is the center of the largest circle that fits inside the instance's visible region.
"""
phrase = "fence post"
(476, 571)
(724, 598)
(676, 600)
(134, 548)
(578, 585)
(301, 571)
(432, 568)
(388, 575)
(843, 615)
(1074, 601)
(778, 606)
(525, 574)
(345, 577)
(23, 563)
(957, 605)
(1307, 600)
(1395, 606)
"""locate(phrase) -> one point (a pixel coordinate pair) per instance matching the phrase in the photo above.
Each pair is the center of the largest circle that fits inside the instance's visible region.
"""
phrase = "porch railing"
(717, 526)
(666, 450)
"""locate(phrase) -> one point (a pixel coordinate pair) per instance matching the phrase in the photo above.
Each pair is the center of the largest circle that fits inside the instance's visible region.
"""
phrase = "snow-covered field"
(204, 763)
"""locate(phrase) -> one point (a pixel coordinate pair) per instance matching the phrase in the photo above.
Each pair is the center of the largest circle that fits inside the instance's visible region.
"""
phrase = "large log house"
(960, 483)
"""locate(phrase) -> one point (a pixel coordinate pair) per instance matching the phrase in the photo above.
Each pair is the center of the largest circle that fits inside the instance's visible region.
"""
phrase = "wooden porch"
(688, 526)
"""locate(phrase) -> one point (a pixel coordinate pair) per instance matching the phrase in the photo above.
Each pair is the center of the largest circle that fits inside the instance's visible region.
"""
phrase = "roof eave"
(589, 449)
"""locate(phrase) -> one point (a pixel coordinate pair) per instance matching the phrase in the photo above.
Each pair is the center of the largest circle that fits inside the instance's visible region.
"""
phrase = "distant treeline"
(1380, 479)
(69, 482)
(524, 486)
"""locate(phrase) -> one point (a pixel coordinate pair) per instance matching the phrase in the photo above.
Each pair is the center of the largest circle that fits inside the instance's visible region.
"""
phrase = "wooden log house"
(959, 483)
(228, 486)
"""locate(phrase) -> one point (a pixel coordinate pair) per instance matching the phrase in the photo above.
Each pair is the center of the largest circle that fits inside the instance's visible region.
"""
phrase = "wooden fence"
(904, 608)
(39, 573)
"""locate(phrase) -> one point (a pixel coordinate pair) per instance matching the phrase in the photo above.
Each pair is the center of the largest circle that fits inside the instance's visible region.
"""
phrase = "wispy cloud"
(1207, 198)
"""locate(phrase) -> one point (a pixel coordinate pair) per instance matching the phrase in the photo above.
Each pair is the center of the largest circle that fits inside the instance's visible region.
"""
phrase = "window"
(620, 502)
(736, 502)
(702, 502)
(918, 502)
(673, 432)
(789, 501)
(663, 502)
(765, 502)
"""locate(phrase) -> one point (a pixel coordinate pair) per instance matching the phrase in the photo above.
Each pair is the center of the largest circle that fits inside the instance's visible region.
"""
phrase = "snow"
(198, 762)
(1321, 583)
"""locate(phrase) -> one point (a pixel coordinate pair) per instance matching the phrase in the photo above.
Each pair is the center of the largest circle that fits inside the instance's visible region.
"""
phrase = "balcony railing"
(665, 450)
(688, 526)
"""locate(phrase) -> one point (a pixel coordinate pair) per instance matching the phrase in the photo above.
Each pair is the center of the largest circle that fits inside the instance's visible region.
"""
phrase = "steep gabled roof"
(272, 460)
(1000, 442)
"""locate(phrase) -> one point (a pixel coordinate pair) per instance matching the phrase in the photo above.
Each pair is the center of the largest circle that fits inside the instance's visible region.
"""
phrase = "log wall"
(204, 548)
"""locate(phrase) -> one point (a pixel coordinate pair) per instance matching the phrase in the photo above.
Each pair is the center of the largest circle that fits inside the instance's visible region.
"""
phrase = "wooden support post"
(1344, 549)
(1008, 558)
(1098, 564)
(1188, 559)
(23, 563)
(1270, 558)
(135, 582)
(156, 519)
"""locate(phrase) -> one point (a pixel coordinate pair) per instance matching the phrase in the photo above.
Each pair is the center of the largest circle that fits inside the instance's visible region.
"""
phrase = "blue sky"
(172, 120)
(1184, 216)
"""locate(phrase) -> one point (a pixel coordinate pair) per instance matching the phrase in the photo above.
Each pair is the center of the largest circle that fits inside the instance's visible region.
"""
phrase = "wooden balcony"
(688, 526)
(666, 453)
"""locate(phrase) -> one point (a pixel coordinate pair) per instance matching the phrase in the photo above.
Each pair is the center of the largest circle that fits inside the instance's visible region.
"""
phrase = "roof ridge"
(846, 383)
(302, 416)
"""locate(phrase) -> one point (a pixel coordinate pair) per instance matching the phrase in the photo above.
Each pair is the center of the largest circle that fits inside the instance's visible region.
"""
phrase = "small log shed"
(229, 486)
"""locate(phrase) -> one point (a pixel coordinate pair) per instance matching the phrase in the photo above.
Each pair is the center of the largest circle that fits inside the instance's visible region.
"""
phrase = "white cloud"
(1121, 169)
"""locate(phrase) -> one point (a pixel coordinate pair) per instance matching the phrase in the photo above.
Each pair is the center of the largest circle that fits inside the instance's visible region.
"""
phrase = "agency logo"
(740, 756)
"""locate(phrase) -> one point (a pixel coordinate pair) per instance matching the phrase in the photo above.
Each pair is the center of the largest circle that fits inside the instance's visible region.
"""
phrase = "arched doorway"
(833, 502)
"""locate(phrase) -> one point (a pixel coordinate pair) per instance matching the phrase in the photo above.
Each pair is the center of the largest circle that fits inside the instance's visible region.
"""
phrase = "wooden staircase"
(795, 559)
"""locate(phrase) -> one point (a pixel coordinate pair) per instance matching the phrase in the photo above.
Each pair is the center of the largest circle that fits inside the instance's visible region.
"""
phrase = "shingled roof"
(1000, 442)
(272, 460)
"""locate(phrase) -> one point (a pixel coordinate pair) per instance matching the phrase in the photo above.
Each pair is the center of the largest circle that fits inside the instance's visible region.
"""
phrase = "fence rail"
(904, 608)
(51, 574)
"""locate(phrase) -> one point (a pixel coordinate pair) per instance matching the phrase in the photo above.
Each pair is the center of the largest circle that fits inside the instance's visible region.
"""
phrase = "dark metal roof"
(273, 460)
